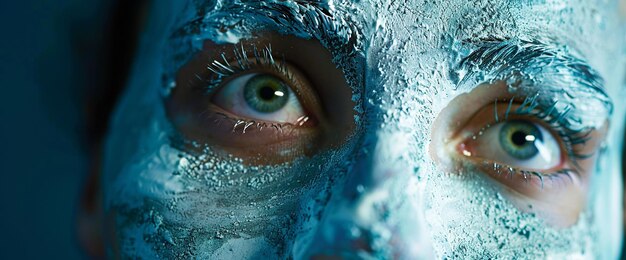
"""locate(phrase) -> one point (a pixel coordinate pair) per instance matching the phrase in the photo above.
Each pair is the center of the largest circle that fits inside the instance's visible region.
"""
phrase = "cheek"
(164, 202)
(469, 217)
(136, 202)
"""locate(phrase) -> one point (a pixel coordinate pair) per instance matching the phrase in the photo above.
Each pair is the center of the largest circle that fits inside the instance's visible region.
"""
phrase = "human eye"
(515, 136)
(265, 100)
(261, 96)
(527, 147)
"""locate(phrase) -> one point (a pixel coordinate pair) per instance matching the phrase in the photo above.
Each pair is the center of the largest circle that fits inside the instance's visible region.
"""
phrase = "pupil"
(266, 93)
(519, 138)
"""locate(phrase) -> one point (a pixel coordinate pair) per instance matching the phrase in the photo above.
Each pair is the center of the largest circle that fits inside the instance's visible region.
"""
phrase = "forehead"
(460, 17)
(586, 26)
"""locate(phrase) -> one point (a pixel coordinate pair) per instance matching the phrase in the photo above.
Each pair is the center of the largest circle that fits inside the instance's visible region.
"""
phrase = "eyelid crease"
(551, 72)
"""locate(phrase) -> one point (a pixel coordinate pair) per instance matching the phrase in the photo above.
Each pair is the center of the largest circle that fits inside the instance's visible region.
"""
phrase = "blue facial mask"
(380, 194)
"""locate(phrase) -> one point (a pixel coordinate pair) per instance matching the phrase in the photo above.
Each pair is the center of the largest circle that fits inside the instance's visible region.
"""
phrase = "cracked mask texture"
(380, 195)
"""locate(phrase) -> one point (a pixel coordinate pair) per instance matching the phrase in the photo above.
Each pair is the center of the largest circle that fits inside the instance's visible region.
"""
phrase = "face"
(364, 129)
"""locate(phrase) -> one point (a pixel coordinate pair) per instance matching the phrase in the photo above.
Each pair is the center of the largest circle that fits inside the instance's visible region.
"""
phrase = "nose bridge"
(376, 209)
(381, 157)
(379, 173)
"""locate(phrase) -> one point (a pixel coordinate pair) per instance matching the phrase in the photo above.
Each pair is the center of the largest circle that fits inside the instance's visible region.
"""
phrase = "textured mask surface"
(404, 62)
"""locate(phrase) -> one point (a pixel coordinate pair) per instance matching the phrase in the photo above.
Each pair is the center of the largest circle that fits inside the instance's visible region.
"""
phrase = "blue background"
(43, 164)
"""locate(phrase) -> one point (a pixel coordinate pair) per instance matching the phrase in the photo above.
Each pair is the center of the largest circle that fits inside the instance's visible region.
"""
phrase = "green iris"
(266, 93)
(518, 137)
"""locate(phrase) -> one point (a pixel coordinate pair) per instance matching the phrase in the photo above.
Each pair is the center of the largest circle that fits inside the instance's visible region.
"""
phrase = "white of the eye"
(544, 151)
(549, 150)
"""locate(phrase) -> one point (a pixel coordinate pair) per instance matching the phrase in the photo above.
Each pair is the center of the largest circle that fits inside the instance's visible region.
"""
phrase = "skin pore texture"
(394, 186)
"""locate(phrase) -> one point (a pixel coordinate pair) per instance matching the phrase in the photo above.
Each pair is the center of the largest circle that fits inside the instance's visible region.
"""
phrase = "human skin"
(387, 173)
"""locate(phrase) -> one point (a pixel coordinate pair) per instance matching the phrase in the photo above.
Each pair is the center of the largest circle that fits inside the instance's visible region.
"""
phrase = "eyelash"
(558, 123)
(507, 171)
(244, 124)
(263, 59)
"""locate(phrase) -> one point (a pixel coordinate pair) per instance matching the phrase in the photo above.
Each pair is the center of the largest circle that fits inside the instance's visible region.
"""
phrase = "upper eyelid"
(556, 74)
(195, 26)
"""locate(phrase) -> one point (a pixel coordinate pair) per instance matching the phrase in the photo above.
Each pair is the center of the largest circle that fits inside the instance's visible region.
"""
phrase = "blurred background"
(59, 62)
(43, 162)
(52, 54)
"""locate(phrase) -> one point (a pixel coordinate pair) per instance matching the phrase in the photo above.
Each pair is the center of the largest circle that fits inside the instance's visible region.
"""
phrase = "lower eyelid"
(529, 181)
(251, 132)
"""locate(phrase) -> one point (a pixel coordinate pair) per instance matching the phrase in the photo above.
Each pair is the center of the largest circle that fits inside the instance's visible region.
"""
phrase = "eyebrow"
(554, 73)
(308, 19)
